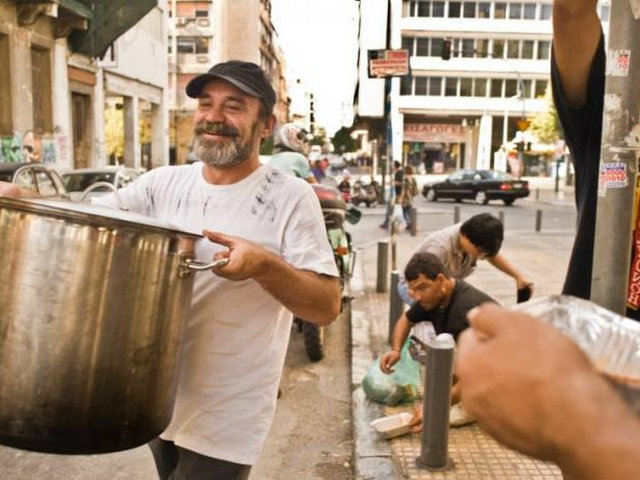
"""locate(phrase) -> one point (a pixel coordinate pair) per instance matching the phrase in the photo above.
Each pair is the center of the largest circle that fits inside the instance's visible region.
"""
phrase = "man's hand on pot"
(246, 259)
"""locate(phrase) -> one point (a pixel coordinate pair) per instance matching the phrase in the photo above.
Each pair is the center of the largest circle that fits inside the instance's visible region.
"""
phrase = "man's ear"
(441, 279)
(267, 127)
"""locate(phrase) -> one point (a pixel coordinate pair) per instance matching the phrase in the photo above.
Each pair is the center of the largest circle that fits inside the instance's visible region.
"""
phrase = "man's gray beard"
(225, 155)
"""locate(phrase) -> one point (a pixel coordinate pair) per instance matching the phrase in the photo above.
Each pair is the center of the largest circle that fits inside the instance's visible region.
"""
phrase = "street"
(312, 434)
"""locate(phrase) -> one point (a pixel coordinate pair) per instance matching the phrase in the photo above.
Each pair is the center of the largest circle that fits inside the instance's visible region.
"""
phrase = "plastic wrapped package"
(611, 341)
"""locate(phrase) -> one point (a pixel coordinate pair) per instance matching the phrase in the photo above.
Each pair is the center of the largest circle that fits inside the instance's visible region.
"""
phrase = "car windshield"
(496, 175)
(78, 182)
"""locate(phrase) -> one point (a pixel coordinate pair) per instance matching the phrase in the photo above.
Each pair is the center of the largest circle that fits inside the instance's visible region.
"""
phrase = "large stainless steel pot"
(91, 307)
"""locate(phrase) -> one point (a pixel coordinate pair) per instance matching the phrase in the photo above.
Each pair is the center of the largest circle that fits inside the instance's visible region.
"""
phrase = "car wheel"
(481, 198)
(431, 195)
(509, 201)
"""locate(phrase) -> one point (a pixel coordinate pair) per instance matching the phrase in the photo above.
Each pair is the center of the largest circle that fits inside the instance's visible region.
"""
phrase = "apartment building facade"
(203, 33)
(52, 99)
(458, 112)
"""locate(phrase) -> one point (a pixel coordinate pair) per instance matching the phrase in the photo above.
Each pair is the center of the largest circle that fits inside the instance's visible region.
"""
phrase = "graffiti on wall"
(31, 148)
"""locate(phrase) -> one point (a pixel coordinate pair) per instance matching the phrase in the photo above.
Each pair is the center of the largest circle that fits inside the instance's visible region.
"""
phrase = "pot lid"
(97, 215)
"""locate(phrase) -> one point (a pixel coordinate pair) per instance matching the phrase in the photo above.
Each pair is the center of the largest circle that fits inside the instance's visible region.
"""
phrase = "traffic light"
(446, 49)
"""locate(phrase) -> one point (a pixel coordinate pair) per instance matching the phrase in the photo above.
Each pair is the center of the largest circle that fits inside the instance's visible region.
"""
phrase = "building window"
(422, 47)
(407, 44)
(454, 9)
(41, 89)
(526, 86)
(435, 86)
(469, 10)
(513, 47)
(484, 10)
(421, 86)
(412, 8)
(482, 47)
(438, 9)
(480, 87)
(193, 45)
(529, 11)
(436, 47)
(515, 11)
(511, 88)
(451, 87)
(424, 9)
(545, 11)
(500, 10)
(498, 48)
(541, 88)
(466, 87)
(468, 49)
(202, 13)
(405, 85)
(496, 87)
(6, 125)
(544, 49)
(527, 49)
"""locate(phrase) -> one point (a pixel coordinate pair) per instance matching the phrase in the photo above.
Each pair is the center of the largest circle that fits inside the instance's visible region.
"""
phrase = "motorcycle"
(335, 213)
(367, 194)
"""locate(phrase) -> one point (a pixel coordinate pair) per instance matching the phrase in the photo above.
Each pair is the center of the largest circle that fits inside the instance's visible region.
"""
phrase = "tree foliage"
(343, 141)
(546, 125)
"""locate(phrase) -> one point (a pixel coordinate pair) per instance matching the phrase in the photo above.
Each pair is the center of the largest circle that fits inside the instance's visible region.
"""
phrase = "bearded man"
(239, 323)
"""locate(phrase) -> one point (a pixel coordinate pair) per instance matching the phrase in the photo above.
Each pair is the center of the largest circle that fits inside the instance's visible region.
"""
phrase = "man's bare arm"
(306, 294)
(576, 33)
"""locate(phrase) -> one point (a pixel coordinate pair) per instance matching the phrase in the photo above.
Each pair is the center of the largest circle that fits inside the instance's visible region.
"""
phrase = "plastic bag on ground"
(397, 387)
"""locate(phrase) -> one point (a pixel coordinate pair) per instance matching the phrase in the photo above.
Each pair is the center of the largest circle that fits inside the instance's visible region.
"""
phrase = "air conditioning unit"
(204, 22)
(202, 58)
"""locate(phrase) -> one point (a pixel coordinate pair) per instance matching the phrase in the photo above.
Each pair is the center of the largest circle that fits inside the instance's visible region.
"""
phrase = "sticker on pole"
(618, 63)
(612, 175)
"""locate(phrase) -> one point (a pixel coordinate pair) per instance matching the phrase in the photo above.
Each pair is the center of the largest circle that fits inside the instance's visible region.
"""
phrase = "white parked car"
(77, 181)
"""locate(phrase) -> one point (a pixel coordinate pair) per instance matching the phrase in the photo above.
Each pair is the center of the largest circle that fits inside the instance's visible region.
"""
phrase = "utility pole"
(618, 161)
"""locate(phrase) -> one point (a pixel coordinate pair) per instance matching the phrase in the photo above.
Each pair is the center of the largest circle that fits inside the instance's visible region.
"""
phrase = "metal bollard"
(383, 266)
(537, 194)
(538, 220)
(396, 305)
(501, 216)
(456, 214)
(414, 221)
(436, 403)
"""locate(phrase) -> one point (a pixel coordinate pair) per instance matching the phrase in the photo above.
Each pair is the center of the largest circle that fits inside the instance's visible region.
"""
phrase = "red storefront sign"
(434, 133)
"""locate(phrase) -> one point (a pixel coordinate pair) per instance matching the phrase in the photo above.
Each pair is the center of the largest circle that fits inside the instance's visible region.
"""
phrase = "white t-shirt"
(236, 334)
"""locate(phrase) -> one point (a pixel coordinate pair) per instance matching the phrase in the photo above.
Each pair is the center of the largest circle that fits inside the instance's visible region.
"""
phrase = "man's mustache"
(217, 128)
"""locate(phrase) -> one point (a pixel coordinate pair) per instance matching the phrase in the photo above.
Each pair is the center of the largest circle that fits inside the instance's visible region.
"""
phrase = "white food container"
(392, 425)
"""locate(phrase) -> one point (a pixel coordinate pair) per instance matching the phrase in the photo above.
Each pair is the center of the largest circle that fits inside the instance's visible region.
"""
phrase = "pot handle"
(201, 267)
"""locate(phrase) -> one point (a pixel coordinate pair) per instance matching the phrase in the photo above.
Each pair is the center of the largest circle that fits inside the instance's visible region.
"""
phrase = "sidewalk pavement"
(543, 256)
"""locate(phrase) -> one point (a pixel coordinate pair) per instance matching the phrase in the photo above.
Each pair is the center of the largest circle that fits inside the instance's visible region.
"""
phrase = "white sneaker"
(458, 416)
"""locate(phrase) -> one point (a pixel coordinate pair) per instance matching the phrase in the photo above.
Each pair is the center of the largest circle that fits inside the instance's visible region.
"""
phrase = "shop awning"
(110, 19)
(98, 22)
